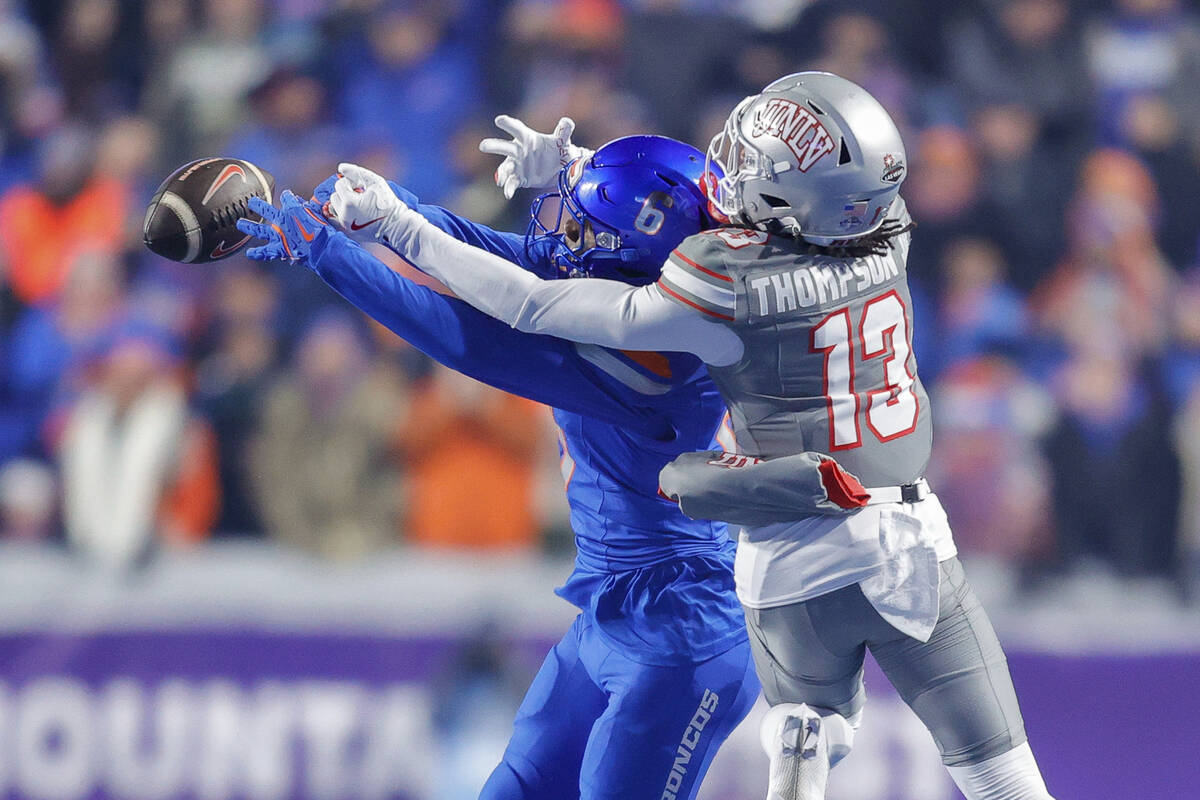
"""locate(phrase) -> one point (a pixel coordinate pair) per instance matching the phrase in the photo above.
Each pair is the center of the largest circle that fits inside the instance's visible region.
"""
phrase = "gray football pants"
(957, 682)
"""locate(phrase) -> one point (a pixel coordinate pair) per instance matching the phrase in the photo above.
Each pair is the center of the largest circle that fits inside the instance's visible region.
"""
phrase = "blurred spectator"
(80, 207)
(414, 82)
(323, 461)
(716, 43)
(167, 28)
(986, 465)
(478, 199)
(27, 501)
(87, 50)
(127, 151)
(1114, 286)
(1116, 473)
(979, 310)
(20, 55)
(1026, 182)
(1153, 129)
(1022, 77)
(1145, 48)
(136, 464)
(197, 110)
(944, 197)
(289, 118)
(1182, 377)
(47, 347)
(564, 57)
(466, 440)
(1181, 365)
(1023, 53)
(232, 383)
(856, 46)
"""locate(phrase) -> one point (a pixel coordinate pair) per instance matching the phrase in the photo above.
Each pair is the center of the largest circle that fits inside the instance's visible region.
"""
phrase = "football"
(192, 217)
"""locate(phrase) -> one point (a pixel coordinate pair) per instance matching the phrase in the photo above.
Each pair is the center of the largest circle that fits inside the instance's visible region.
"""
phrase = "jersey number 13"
(891, 411)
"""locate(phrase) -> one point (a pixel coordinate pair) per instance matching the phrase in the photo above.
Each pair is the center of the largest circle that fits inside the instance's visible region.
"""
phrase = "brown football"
(192, 217)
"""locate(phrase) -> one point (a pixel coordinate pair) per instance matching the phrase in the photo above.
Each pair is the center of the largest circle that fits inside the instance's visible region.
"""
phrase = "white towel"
(905, 590)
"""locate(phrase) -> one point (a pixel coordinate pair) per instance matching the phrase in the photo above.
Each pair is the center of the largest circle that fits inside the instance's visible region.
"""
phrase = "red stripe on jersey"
(684, 300)
(705, 270)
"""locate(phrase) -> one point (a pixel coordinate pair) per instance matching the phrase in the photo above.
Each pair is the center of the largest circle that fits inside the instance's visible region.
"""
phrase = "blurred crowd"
(1054, 153)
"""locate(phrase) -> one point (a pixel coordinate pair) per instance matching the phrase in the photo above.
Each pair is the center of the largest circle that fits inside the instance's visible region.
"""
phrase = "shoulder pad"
(697, 273)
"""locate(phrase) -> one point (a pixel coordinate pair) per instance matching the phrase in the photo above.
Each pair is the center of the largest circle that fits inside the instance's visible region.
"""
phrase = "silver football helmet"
(814, 152)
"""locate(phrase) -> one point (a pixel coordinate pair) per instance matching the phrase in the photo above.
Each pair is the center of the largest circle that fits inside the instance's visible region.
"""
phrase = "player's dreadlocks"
(876, 243)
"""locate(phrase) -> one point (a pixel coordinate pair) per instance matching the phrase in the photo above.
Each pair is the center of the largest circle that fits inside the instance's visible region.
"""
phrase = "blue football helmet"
(619, 213)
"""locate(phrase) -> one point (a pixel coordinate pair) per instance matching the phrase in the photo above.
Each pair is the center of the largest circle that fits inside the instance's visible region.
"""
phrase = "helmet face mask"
(579, 241)
(814, 155)
(619, 213)
(737, 160)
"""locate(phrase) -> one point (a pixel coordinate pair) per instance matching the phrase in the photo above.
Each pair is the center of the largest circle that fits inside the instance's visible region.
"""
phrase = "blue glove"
(287, 230)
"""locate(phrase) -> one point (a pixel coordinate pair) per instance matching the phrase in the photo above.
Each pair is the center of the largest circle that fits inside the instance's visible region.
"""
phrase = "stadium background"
(253, 546)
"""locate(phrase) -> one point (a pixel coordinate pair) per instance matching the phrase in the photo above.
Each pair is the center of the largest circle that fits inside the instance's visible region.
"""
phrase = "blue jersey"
(657, 584)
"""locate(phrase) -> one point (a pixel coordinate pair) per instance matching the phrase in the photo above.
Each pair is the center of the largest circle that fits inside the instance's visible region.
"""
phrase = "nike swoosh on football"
(354, 226)
(226, 174)
(222, 250)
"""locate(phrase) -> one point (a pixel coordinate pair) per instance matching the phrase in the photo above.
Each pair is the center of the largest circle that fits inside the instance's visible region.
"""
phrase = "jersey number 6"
(882, 332)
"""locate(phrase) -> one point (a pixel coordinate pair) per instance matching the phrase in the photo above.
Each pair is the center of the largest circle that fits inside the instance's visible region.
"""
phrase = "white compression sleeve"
(607, 313)
(611, 314)
(1009, 776)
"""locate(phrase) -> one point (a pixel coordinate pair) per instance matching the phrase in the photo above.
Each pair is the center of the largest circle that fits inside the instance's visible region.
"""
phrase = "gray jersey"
(828, 363)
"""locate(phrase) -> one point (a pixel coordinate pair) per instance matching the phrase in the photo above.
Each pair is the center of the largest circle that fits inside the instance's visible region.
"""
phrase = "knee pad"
(838, 731)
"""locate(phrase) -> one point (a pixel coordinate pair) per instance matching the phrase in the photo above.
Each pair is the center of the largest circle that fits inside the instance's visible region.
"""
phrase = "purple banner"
(1113, 727)
(264, 715)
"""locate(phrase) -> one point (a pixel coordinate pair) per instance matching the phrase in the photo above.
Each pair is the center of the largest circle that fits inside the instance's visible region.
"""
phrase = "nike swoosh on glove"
(366, 209)
(288, 230)
(532, 160)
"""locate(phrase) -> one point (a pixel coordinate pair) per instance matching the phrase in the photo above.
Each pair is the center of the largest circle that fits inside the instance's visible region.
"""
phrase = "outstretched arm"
(509, 246)
(600, 312)
(541, 368)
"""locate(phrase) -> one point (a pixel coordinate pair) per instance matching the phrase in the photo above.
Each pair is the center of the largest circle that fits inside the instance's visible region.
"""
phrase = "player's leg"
(959, 685)
(810, 659)
(550, 733)
(663, 725)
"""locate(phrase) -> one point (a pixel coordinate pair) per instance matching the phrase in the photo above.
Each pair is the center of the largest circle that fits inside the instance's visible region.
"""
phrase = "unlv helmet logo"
(796, 127)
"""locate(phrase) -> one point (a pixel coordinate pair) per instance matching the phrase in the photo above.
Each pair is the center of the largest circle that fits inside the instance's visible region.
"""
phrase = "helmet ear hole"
(773, 201)
(844, 155)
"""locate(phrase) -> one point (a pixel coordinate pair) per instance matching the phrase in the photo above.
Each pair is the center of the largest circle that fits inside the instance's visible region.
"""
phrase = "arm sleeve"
(509, 246)
(607, 313)
(541, 368)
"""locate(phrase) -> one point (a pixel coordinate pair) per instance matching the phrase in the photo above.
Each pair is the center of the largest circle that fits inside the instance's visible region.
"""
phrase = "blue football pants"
(596, 725)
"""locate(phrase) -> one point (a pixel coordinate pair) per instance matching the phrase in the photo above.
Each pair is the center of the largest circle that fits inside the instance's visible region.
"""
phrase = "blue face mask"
(583, 246)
